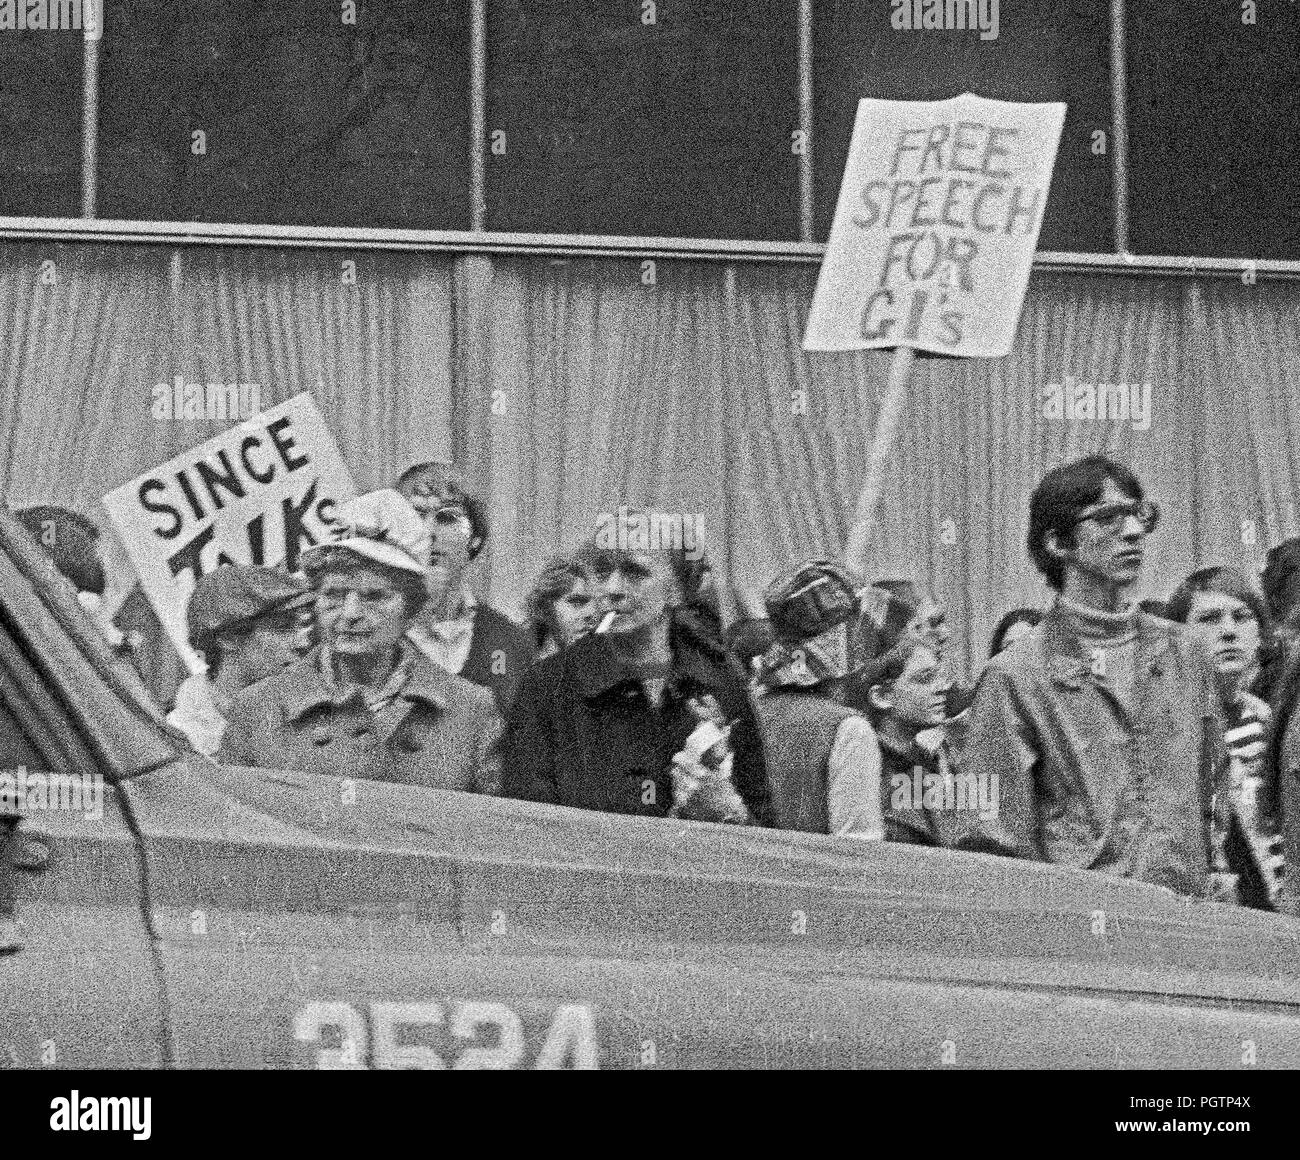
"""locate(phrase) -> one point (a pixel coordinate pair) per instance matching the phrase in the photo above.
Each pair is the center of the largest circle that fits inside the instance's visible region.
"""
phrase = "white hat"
(384, 527)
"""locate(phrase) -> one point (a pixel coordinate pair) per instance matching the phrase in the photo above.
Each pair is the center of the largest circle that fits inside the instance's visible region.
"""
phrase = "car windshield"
(85, 708)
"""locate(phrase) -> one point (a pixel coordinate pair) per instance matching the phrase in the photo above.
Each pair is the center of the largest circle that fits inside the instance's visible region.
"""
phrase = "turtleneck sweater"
(1109, 641)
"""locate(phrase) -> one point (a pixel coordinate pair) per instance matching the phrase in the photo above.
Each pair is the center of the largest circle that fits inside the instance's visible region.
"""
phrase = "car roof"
(596, 879)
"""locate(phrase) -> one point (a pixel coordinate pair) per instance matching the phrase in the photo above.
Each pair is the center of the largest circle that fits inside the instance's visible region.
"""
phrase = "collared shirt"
(196, 714)
(375, 699)
(447, 642)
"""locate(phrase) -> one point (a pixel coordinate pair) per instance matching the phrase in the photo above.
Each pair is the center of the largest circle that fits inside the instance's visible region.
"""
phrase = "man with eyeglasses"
(455, 630)
(1102, 727)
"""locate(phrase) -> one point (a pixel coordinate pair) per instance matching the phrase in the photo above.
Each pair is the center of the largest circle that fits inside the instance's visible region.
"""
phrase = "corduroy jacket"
(1086, 782)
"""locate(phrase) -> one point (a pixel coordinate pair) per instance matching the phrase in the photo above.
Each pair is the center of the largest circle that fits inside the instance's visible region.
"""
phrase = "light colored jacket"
(446, 733)
(1086, 780)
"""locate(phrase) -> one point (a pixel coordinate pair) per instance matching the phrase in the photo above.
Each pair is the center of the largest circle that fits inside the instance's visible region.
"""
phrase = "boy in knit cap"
(823, 759)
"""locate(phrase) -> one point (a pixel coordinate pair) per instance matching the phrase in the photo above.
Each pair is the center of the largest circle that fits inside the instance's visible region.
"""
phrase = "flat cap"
(240, 592)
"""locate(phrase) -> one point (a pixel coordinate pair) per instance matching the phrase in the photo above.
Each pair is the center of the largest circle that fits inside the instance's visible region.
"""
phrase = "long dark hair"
(1060, 496)
(1232, 582)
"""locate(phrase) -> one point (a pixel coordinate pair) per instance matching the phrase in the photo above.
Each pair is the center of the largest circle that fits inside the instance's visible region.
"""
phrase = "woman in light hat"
(366, 703)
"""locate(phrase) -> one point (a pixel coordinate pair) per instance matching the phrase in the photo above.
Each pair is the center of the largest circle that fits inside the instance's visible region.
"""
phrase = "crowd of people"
(1154, 741)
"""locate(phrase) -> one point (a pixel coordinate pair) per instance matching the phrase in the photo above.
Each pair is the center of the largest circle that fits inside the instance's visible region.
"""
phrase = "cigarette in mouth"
(606, 621)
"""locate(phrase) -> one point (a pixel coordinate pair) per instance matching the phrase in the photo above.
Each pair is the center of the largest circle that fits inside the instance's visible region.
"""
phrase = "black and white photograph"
(654, 535)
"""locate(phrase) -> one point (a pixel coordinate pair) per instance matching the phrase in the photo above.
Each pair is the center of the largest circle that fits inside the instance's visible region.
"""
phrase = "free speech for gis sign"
(936, 225)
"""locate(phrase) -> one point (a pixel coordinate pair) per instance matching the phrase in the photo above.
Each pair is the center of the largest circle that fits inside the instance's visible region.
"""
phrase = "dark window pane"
(307, 120)
(40, 123)
(615, 126)
(1045, 50)
(1214, 114)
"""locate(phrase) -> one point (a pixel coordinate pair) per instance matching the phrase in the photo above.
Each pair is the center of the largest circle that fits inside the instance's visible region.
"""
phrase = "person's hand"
(1222, 887)
(701, 795)
(686, 776)
(1247, 743)
(706, 708)
(701, 770)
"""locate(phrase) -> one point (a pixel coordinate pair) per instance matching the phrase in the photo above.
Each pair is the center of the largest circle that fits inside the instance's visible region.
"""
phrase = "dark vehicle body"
(226, 917)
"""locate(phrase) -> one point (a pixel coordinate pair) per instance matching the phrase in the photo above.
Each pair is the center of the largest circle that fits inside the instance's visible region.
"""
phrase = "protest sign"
(257, 494)
(935, 228)
(931, 245)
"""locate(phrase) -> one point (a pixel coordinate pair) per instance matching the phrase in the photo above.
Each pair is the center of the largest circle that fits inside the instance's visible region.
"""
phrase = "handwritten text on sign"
(936, 224)
(257, 494)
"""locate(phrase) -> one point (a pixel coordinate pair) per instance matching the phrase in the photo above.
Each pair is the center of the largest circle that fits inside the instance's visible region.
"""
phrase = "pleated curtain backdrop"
(93, 328)
(694, 394)
(569, 387)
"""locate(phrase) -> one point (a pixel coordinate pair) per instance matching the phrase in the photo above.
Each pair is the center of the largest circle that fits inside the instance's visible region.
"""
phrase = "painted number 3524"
(430, 1036)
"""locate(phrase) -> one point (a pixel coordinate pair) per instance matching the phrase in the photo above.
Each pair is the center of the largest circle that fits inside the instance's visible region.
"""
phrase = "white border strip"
(561, 246)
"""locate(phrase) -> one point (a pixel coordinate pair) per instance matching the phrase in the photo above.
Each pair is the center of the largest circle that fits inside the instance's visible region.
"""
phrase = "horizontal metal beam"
(564, 246)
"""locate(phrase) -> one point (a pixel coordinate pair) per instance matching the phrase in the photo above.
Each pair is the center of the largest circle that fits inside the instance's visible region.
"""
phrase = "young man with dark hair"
(455, 630)
(1105, 727)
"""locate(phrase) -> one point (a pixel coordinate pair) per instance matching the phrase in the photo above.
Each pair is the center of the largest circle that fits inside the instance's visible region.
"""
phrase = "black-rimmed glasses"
(1113, 516)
